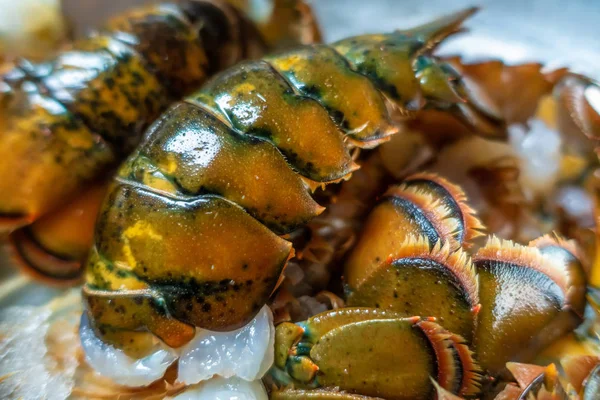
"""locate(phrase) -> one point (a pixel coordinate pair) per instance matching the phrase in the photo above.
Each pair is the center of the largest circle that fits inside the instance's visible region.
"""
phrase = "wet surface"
(555, 32)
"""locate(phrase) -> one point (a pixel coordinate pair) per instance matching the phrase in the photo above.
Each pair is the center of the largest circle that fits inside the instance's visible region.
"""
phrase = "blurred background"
(555, 32)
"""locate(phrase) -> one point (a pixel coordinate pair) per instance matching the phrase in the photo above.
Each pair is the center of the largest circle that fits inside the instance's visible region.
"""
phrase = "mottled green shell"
(369, 352)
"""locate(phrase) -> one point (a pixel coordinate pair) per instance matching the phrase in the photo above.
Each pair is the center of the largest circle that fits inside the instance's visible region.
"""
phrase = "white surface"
(28, 370)
(113, 363)
(246, 352)
(225, 389)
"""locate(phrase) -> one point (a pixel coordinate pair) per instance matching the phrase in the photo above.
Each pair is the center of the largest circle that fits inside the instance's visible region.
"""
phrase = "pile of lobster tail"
(361, 220)
(242, 156)
(417, 290)
(68, 122)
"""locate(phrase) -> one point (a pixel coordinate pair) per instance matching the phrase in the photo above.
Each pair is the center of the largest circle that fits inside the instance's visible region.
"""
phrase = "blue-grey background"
(560, 32)
(556, 32)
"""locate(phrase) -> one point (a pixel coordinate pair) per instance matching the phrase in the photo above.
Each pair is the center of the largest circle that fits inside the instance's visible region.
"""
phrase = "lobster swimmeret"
(67, 122)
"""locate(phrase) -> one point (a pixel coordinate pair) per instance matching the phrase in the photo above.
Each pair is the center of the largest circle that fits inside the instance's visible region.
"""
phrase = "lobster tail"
(402, 67)
(88, 107)
(67, 122)
(285, 125)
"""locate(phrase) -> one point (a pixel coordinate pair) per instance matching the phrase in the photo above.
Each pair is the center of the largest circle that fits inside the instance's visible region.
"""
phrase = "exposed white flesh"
(115, 364)
(246, 352)
(38, 351)
(225, 389)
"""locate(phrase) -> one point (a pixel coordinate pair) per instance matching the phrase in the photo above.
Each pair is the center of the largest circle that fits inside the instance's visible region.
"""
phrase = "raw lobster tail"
(67, 122)
(401, 282)
(240, 157)
(423, 205)
(97, 98)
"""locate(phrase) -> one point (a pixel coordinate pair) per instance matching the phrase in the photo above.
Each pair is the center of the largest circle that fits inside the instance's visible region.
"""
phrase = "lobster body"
(189, 235)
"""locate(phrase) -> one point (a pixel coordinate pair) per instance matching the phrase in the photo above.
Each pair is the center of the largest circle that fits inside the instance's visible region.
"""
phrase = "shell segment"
(454, 199)
(570, 255)
(109, 87)
(53, 245)
(254, 98)
(368, 367)
(522, 294)
(418, 280)
(401, 66)
(319, 72)
(198, 154)
(215, 284)
(424, 205)
(172, 49)
(47, 161)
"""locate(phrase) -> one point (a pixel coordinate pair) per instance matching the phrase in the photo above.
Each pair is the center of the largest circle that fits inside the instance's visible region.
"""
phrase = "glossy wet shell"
(424, 205)
(427, 284)
(364, 375)
(197, 153)
(53, 245)
(186, 216)
(319, 72)
(508, 304)
(66, 121)
(395, 265)
(206, 283)
(523, 296)
(171, 43)
(47, 161)
(259, 102)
